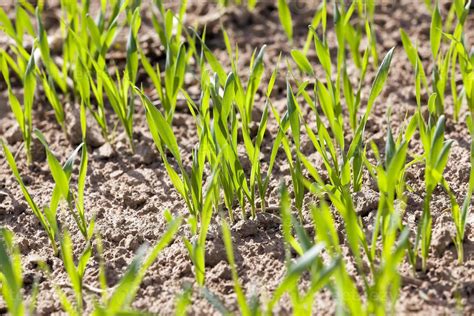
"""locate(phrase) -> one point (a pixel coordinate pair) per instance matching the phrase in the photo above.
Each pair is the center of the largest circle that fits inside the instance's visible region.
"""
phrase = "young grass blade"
(11, 279)
(413, 56)
(62, 189)
(128, 286)
(318, 18)
(346, 291)
(285, 18)
(48, 222)
(50, 66)
(322, 51)
(81, 182)
(436, 157)
(160, 127)
(132, 46)
(380, 78)
(183, 301)
(15, 105)
(53, 98)
(59, 176)
(256, 73)
(436, 31)
(285, 209)
(302, 61)
(375, 91)
(226, 235)
(29, 82)
(75, 273)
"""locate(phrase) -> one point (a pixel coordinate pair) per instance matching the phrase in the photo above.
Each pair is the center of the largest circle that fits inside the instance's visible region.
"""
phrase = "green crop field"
(236, 157)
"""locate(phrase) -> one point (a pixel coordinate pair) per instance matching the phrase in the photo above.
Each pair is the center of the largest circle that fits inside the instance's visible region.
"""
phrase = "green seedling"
(292, 120)
(390, 177)
(241, 299)
(51, 69)
(320, 275)
(101, 32)
(86, 44)
(346, 33)
(240, 98)
(227, 129)
(96, 35)
(47, 216)
(183, 301)
(132, 53)
(132, 61)
(170, 31)
(101, 274)
(170, 28)
(320, 18)
(11, 279)
(347, 295)
(244, 100)
(413, 56)
(124, 293)
(443, 61)
(189, 185)
(69, 306)
(16, 29)
(200, 202)
(119, 95)
(436, 31)
(20, 25)
(387, 281)
(116, 300)
(460, 214)
(63, 191)
(286, 21)
(51, 76)
(234, 181)
(436, 157)
(175, 69)
(199, 226)
(467, 66)
(244, 95)
(366, 9)
(53, 98)
(23, 112)
(220, 137)
(460, 54)
(330, 139)
(19, 66)
(75, 272)
(86, 84)
(256, 173)
(232, 99)
(329, 98)
(302, 62)
(309, 260)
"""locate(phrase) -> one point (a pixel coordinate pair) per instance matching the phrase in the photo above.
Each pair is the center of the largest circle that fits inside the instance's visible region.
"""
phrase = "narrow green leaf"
(380, 78)
(436, 31)
(302, 61)
(285, 18)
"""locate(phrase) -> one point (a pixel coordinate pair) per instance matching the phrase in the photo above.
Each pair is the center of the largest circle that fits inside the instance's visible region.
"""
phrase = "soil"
(127, 193)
